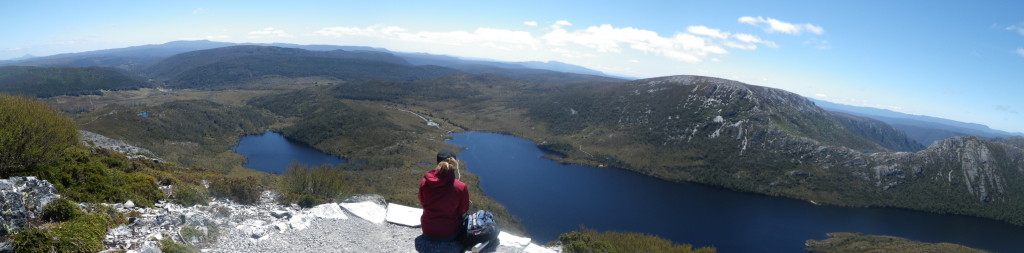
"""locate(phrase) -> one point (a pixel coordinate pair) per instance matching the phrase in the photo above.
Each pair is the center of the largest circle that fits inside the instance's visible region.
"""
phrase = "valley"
(356, 104)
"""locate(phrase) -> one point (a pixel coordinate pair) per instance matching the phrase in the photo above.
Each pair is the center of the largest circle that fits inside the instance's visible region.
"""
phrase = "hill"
(769, 141)
(48, 82)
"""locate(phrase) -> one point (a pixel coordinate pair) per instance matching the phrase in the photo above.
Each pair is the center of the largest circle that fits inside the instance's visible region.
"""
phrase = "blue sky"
(961, 60)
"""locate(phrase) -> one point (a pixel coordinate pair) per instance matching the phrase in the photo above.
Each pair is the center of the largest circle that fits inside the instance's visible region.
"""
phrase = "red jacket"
(444, 200)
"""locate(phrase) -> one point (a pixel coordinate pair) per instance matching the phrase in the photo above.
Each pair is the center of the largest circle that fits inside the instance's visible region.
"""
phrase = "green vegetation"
(83, 233)
(588, 240)
(857, 242)
(191, 132)
(312, 186)
(31, 134)
(245, 190)
(196, 236)
(60, 210)
(170, 246)
(48, 82)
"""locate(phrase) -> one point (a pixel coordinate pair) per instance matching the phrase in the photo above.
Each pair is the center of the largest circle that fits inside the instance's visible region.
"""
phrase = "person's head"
(446, 161)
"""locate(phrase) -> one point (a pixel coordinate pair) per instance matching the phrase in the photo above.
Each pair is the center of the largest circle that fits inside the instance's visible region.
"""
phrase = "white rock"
(367, 210)
(534, 248)
(510, 239)
(328, 211)
(404, 215)
(299, 222)
(129, 204)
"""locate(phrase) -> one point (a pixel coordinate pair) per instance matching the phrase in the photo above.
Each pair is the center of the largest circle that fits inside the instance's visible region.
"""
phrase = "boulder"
(22, 199)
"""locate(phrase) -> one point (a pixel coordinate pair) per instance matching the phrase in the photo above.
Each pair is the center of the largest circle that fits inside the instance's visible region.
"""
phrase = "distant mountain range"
(137, 58)
(923, 129)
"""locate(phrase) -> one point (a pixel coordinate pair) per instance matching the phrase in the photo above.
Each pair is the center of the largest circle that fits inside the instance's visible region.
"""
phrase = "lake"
(552, 198)
(272, 152)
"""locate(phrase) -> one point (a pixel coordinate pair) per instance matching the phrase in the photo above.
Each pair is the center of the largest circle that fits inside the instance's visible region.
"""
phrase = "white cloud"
(748, 38)
(818, 44)
(1020, 51)
(559, 24)
(705, 31)
(820, 95)
(606, 38)
(198, 11)
(484, 36)
(379, 32)
(697, 44)
(269, 32)
(775, 25)
(1019, 29)
(530, 23)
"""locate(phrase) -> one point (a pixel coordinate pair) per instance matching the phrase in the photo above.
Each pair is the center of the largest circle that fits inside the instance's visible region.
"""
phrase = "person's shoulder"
(459, 184)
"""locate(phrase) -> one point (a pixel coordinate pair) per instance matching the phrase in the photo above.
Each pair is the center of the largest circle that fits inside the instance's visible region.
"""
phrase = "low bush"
(33, 240)
(310, 186)
(245, 190)
(189, 195)
(84, 233)
(170, 246)
(198, 236)
(60, 210)
(588, 240)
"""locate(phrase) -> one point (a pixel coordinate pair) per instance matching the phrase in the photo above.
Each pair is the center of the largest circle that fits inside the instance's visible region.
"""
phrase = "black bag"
(479, 227)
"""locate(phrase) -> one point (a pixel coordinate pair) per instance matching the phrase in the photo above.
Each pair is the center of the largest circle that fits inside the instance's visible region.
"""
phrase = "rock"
(21, 199)
(129, 204)
(534, 248)
(327, 211)
(404, 215)
(367, 210)
(510, 239)
(149, 247)
(281, 214)
(6, 247)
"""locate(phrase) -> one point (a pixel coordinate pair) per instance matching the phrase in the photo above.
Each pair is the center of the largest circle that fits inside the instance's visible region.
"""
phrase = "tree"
(31, 133)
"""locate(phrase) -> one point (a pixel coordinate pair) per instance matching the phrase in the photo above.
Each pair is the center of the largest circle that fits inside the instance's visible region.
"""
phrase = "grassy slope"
(857, 242)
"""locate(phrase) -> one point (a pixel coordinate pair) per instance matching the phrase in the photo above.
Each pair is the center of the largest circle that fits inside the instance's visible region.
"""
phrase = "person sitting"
(445, 200)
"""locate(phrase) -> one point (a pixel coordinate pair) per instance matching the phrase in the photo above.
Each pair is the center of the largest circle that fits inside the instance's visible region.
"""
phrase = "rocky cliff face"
(968, 164)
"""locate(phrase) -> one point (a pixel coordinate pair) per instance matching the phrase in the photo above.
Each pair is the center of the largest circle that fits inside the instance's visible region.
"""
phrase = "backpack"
(479, 227)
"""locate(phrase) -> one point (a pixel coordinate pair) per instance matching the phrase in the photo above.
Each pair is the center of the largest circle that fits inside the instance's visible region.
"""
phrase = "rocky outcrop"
(269, 227)
(100, 141)
(21, 200)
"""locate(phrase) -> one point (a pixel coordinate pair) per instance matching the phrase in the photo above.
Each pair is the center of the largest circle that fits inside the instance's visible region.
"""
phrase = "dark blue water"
(552, 198)
(271, 152)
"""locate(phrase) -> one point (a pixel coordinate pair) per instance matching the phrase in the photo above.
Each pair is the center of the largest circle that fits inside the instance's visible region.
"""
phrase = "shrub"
(31, 133)
(32, 240)
(170, 246)
(242, 190)
(60, 210)
(189, 195)
(311, 186)
(588, 240)
(84, 233)
(202, 235)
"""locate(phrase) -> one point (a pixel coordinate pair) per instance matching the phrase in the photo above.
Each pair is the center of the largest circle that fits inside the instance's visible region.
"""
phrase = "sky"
(960, 60)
